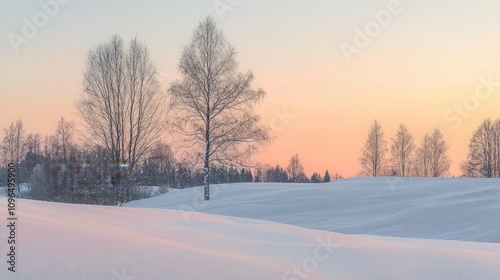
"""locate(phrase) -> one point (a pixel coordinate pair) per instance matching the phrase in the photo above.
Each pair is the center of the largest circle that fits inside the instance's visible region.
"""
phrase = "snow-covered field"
(433, 208)
(60, 241)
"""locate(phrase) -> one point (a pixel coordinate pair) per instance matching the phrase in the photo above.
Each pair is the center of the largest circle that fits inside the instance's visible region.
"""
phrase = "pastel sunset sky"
(431, 64)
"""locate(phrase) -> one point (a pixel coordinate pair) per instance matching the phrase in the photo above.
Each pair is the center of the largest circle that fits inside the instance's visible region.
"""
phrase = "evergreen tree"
(198, 178)
(183, 176)
(246, 175)
(326, 178)
(233, 175)
(316, 178)
(276, 174)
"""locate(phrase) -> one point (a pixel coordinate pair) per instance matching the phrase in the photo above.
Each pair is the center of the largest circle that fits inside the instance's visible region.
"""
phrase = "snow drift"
(433, 208)
(62, 241)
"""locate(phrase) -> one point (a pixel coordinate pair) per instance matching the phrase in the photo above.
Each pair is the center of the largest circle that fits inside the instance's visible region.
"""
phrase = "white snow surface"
(62, 241)
(432, 208)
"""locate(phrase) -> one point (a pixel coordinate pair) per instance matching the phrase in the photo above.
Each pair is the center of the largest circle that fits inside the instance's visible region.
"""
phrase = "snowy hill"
(432, 208)
(62, 241)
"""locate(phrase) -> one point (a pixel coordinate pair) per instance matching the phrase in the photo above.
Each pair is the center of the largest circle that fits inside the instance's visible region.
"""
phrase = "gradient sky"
(427, 59)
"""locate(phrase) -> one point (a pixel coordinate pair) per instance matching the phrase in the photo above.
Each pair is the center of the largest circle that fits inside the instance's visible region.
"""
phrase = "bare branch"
(213, 104)
(121, 103)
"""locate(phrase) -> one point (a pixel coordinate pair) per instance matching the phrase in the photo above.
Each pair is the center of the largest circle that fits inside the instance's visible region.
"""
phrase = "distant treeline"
(403, 157)
(55, 168)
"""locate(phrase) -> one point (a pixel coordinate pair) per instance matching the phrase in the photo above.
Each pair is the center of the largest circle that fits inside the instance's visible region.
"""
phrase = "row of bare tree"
(57, 169)
(430, 159)
(125, 113)
(16, 144)
(26, 150)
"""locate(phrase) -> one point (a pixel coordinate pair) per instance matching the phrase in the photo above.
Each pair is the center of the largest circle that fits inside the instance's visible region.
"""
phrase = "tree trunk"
(18, 182)
(206, 177)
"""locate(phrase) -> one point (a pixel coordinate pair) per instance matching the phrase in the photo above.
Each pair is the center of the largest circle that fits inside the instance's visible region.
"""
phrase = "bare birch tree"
(483, 159)
(422, 162)
(14, 142)
(64, 139)
(121, 103)
(440, 161)
(295, 169)
(402, 150)
(432, 158)
(14, 146)
(34, 143)
(373, 152)
(213, 103)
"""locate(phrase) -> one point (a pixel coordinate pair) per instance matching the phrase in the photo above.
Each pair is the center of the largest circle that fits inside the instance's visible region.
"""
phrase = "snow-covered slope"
(62, 242)
(442, 208)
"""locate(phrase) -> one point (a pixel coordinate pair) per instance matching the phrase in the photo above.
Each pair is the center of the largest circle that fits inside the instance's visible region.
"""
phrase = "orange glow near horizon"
(422, 65)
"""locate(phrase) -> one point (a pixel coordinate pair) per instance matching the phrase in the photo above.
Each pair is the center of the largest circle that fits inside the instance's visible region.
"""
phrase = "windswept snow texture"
(431, 208)
(63, 241)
